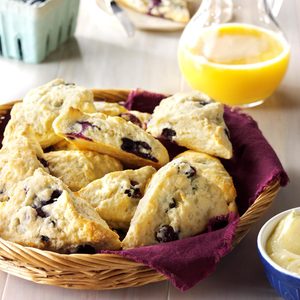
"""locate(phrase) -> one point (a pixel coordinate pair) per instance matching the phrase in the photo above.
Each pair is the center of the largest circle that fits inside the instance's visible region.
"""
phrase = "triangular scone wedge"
(43, 104)
(192, 121)
(111, 135)
(180, 200)
(116, 195)
(175, 10)
(18, 160)
(43, 213)
(77, 168)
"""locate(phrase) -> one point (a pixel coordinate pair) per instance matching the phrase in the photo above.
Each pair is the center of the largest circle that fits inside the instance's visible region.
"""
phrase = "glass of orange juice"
(234, 51)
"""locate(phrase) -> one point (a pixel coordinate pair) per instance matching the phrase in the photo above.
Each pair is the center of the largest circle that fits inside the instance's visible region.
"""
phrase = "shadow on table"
(68, 51)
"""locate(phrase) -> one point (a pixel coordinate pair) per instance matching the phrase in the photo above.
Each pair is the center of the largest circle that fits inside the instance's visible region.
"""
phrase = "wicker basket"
(98, 271)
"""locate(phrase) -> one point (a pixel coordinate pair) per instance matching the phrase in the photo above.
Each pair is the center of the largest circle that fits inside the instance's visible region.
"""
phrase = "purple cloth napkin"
(253, 167)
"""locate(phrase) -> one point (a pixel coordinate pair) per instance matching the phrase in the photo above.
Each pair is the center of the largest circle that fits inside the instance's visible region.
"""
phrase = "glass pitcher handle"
(275, 6)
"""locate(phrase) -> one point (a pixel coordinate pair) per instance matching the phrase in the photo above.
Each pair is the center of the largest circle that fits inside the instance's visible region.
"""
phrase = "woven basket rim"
(15, 252)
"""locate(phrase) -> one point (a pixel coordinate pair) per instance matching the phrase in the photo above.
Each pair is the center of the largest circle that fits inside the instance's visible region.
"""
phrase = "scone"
(77, 168)
(192, 121)
(110, 109)
(114, 109)
(61, 145)
(18, 160)
(43, 213)
(136, 117)
(175, 10)
(180, 200)
(111, 135)
(116, 195)
(43, 104)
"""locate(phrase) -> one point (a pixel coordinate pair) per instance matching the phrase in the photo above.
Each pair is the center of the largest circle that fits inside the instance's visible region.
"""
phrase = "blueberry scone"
(192, 121)
(136, 117)
(43, 104)
(62, 145)
(111, 135)
(175, 10)
(114, 109)
(43, 213)
(77, 168)
(116, 195)
(180, 200)
(109, 108)
(18, 160)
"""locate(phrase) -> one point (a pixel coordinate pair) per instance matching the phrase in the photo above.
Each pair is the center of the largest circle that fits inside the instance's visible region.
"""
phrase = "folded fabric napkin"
(253, 167)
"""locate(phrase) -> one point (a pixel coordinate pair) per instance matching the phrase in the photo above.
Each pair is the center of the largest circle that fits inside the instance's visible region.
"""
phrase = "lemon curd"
(235, 63)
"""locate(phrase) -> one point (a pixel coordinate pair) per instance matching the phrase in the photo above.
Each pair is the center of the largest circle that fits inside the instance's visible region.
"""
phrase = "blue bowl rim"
(261, 247)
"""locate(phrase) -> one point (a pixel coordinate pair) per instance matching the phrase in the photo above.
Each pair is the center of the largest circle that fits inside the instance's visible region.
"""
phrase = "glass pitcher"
(234, 51)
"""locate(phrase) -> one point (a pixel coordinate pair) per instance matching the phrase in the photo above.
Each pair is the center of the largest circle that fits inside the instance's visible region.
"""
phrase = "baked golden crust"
(43, 213)
(116, 195)
(43, 104)
(77, 168)
(111, 135)
(180, 200)
(192, 121)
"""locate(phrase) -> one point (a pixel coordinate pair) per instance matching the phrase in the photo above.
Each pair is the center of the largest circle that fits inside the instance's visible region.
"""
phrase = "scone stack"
(79, 176)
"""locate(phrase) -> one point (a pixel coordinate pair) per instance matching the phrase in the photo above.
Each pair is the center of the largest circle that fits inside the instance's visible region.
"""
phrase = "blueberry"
(132, 118)
(55, 194)
(166, 233)
(40, 212)
(133, 192)
(73, 136)
(187, 170)
(173, 203)
(39, 208)
(85, 125)
(139, 148)
(86, 249)
(155, 3)
(45, 239)
(168, 134)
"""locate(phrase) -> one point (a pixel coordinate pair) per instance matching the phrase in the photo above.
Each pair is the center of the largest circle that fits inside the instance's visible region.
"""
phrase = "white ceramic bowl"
(286, 283)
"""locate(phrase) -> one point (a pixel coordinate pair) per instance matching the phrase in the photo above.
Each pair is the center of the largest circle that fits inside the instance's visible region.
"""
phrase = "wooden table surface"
(101, 56)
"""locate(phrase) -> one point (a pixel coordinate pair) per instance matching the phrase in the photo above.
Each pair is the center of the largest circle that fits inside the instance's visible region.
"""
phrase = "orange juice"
(235, 63)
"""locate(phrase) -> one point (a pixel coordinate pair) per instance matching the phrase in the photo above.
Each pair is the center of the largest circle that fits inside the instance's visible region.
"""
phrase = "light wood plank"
(108, 59)
(21, 289)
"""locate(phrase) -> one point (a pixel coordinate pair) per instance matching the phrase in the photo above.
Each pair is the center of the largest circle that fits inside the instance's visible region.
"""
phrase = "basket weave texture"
(99, 271)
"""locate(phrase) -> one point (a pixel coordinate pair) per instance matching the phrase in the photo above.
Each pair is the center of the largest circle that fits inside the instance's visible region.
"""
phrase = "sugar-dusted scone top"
(175, 10)
(116, 195)
(77, 168)
(194, 122)
(43, 104)
(111, 135)
(180, 200)
(18, 160)
(43, 213)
